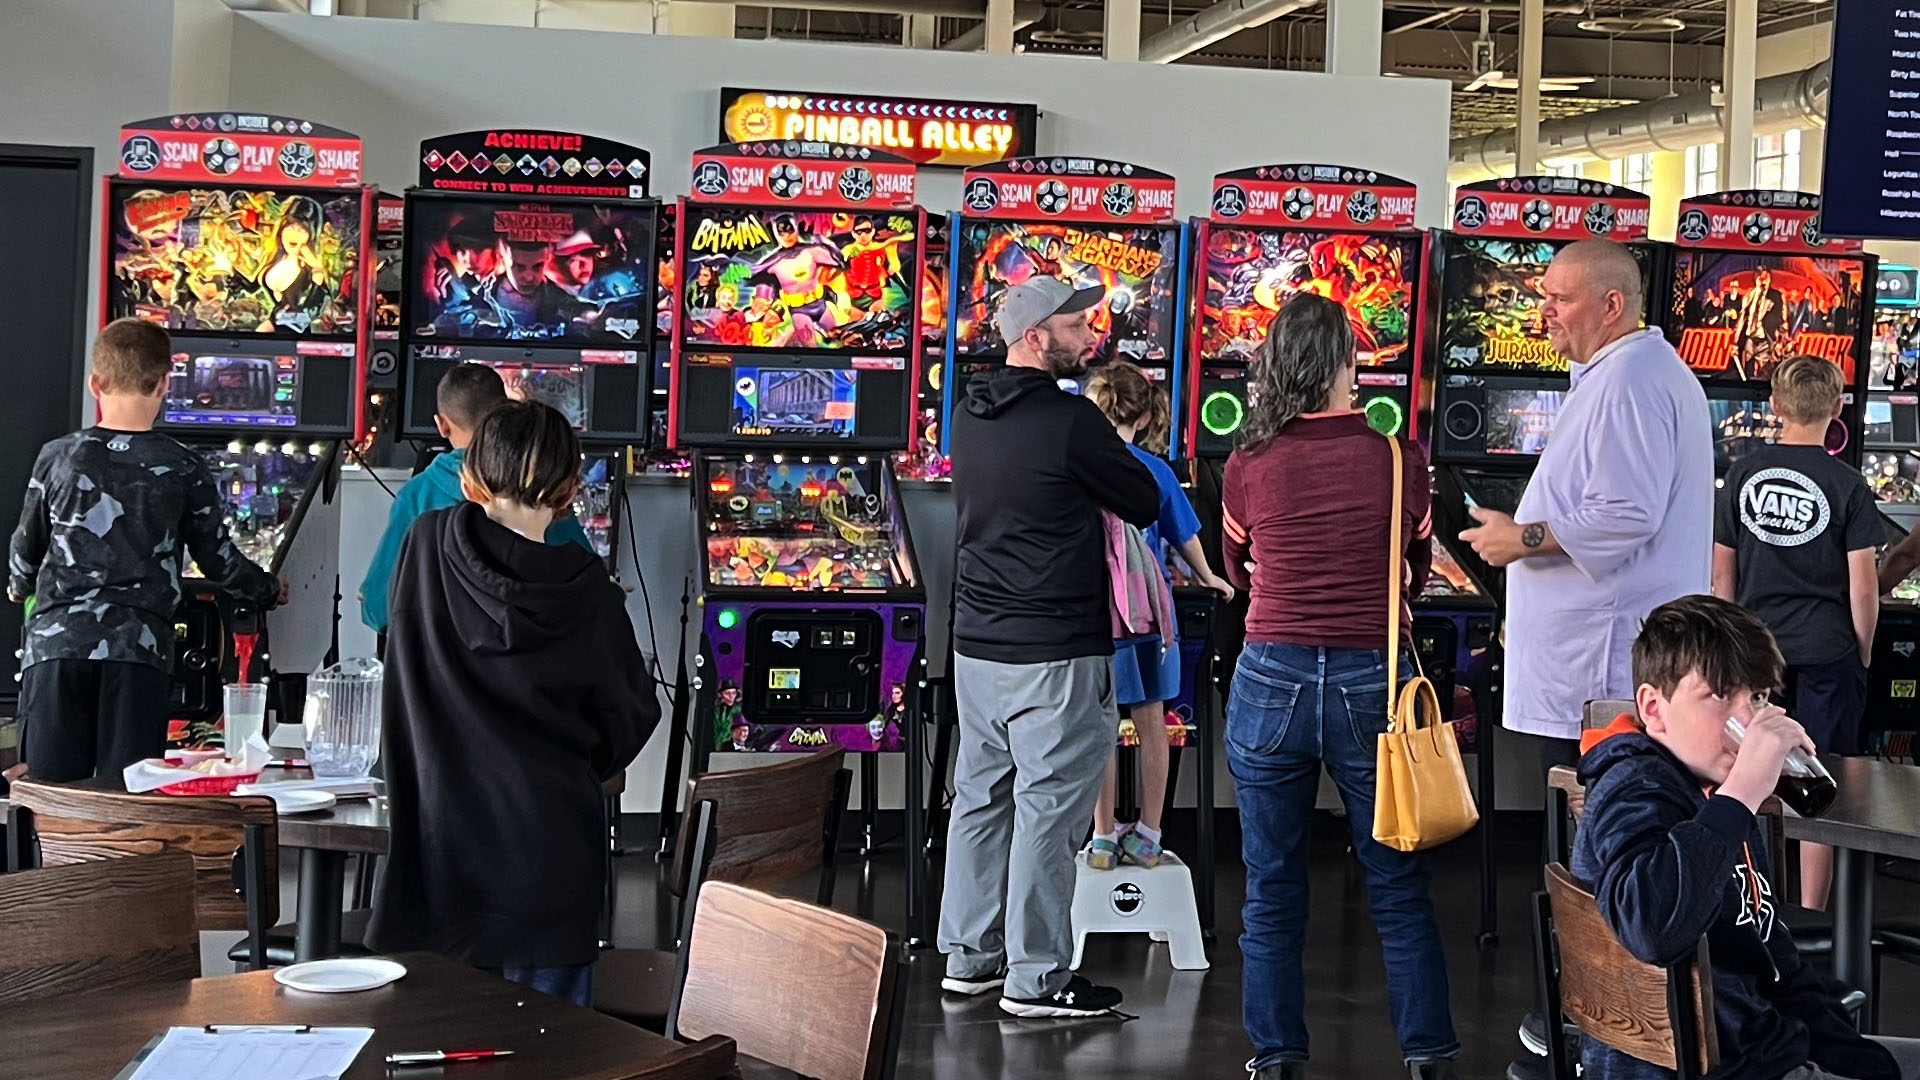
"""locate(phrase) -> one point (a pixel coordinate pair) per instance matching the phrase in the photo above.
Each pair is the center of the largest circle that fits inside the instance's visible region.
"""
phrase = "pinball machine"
(245, 235)
(796, 353)
(533, 253)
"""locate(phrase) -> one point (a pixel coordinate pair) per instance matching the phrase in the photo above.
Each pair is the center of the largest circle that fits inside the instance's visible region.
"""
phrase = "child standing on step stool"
(1146, 672)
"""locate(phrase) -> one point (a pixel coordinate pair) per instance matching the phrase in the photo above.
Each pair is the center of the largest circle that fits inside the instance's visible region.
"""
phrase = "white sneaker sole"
(971, 987)
(1030, 1011)
(1534, 1046)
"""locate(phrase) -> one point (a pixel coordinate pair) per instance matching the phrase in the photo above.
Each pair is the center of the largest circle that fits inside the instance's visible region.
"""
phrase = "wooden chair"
(761, 826)
(76, 824)
(797, 986)
(96, 926)
(1600, 711)
(1659, 1015)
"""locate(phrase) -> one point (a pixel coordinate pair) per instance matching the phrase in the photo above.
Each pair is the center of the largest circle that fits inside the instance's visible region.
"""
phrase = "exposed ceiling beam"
(1025, 14)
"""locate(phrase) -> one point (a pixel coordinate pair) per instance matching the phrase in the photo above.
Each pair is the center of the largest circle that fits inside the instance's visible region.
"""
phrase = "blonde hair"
(1124, 393)
(1806, 389)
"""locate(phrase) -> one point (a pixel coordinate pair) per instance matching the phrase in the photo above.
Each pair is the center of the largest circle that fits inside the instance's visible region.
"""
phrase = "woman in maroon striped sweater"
(1308, 503)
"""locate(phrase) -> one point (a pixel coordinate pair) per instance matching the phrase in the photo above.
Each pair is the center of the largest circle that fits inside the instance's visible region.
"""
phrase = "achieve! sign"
(927, 131)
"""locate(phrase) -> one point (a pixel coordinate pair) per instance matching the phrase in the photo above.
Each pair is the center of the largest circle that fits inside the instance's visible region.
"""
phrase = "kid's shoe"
(1103, 854)
(1141, 851)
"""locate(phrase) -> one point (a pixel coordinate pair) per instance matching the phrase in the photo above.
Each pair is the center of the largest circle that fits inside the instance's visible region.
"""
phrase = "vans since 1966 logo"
(1783, 507)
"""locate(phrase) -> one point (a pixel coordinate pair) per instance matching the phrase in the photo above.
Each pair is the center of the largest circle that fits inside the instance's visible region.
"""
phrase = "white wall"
(395, 83)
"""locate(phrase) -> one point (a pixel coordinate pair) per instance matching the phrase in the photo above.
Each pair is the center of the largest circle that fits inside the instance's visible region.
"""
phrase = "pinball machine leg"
(1486, 705)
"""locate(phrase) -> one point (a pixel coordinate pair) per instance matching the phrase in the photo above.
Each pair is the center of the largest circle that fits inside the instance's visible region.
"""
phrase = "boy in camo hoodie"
(97, 553)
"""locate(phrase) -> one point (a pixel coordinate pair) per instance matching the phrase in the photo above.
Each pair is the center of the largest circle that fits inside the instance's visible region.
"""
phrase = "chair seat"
(1899, 937)
(280, 941)
(635, 985)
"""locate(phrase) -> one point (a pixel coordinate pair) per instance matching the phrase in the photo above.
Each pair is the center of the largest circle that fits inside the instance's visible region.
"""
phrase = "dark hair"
(1309, 344)
(467, 393)
(1724, 643)
(1806, 389)
(524, 452)
(132, 356)
(1124, 393)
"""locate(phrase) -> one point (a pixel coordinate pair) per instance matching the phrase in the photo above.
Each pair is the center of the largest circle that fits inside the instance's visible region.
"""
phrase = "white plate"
(300, 802)
(339, 976)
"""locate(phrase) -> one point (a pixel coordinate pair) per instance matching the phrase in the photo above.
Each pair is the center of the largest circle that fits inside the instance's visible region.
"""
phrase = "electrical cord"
(354, 452)
(658, 670)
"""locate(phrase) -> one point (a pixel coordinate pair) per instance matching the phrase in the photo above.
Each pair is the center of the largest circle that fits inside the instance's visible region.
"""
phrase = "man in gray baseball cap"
(1054, 312)
(1033, 467)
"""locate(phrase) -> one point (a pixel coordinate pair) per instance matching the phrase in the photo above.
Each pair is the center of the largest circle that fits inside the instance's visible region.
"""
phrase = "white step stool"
(1131, 899)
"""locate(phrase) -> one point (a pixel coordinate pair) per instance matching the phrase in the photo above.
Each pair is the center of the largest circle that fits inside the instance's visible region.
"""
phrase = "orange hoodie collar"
(1624, 724)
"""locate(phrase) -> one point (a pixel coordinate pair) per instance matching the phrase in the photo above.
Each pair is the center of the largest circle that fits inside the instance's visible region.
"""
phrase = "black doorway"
(46, 200)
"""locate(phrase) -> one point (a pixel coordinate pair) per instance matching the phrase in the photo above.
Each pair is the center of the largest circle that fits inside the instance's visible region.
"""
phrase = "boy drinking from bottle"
(1671, 850)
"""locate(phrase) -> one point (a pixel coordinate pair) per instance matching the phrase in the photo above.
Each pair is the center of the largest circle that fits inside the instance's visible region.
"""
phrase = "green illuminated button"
(1384, 415)
(728, 618)
(1222, 412)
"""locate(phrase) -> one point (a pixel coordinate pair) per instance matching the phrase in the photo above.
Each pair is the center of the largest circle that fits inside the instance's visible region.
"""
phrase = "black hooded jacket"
(1670, 865)
(1033, 466)
(514, 687)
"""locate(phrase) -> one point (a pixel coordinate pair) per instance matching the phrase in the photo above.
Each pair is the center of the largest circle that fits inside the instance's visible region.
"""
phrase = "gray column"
(1526, 142)
(1736, 92)
(1354, 37)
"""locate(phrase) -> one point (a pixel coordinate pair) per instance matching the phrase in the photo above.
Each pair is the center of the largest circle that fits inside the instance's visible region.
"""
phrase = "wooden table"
(1876, 813)
(438, 1005)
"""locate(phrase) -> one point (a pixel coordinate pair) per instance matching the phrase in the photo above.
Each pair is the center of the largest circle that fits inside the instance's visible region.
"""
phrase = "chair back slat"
(770, 821)
(801, 987)
(1616, 998)
(1600, 711)
(81, 824)
(100, 925)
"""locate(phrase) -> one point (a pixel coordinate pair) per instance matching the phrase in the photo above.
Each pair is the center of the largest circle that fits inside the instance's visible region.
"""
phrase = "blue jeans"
(1292, 709)
(572, 983)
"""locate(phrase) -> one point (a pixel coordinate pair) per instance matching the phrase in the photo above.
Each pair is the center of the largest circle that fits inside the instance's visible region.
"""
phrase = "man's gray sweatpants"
(1034, 741)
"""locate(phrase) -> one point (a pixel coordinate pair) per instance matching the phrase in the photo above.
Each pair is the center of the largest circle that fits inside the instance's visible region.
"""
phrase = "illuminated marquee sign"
(926, 131)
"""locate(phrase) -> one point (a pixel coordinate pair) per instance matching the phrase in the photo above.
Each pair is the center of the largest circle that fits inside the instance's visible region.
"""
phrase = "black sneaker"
(1078, 998)
(1433, 1069)
(974, 985)
(1283, 1070)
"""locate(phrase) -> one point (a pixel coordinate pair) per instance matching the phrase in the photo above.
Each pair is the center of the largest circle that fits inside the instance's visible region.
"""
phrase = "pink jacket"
(1138, 596)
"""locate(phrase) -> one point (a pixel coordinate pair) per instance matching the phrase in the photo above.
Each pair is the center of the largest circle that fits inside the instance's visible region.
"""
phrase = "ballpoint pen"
(436, 1057)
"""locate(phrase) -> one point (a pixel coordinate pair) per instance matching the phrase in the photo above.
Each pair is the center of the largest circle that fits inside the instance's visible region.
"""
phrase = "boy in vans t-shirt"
(1794, 534)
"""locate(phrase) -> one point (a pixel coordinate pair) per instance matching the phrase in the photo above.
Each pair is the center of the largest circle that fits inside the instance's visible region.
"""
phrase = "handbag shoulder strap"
(1395, 572)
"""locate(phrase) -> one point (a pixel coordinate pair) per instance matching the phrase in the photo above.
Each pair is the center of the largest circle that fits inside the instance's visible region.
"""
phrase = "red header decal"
(802, 174)
(1087, 190)
(1314, 196)
(240, 149)
(1551, 208)
(1780, 221)
(392, 211)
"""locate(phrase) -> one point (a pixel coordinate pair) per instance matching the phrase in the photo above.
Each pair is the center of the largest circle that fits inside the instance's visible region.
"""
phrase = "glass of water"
(246, 709)
(342, 718)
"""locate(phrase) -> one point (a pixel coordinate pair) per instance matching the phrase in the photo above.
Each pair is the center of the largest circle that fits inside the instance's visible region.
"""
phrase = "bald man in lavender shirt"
(1618, 516)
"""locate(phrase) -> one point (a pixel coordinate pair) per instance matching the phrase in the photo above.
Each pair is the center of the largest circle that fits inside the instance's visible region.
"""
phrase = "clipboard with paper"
(248, 1052)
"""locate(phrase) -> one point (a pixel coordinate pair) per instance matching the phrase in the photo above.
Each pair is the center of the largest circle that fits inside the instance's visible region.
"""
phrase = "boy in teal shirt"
(464, 397)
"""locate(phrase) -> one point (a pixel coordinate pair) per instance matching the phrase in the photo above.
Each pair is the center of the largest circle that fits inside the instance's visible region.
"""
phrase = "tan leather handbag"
(1421, 798)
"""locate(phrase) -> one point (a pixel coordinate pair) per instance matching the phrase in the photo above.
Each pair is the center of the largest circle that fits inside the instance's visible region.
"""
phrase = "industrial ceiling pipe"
(1223, 19)
(1795, 99)
(1025, 14)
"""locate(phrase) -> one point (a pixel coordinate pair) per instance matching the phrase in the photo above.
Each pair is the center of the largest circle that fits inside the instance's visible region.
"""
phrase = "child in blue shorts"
(1146, 673)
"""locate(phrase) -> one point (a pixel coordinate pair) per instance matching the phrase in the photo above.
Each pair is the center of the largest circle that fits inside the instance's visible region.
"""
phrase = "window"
(1565, 168)
(1634, 171)
(1703, 169)
(1776, 161)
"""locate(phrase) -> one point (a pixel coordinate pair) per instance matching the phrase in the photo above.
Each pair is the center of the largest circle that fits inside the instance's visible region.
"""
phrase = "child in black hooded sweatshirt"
(514, 688)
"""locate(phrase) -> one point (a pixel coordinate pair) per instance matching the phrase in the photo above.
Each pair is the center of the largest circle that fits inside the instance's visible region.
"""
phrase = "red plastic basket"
(211, 785)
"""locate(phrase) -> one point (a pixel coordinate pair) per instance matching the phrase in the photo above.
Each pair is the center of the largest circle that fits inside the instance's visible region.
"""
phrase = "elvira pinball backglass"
(239, 261)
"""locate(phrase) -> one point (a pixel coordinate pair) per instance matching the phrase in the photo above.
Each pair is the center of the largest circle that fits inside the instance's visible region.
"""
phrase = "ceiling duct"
(1025, 14)
(1224, 19)
(1795, 99)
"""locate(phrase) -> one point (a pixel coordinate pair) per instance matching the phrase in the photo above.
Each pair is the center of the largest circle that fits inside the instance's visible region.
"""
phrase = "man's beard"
(1062, 361)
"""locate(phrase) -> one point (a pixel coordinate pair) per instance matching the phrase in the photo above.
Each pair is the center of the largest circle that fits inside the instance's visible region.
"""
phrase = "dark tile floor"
(1189, 1021)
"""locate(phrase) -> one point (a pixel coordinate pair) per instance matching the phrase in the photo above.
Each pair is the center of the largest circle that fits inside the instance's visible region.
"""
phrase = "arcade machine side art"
(245, 235)
(796, 354)
(1890, 461)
